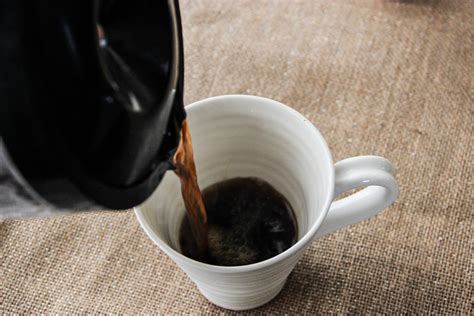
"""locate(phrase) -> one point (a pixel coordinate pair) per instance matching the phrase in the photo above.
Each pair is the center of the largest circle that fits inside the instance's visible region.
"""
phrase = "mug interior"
(245, 136)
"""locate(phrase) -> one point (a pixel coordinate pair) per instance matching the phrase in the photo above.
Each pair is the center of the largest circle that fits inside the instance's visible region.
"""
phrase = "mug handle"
(373, 172)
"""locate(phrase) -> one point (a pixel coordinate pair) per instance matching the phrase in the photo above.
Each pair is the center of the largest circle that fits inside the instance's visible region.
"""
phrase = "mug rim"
(307, 237)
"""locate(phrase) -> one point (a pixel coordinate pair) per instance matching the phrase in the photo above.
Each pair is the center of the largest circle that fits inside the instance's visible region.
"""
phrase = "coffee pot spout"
(97, 89)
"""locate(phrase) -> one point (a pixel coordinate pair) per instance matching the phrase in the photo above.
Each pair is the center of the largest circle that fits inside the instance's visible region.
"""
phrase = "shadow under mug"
(242, 136)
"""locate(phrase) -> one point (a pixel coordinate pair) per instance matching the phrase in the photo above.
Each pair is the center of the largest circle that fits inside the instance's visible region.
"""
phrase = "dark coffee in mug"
(234, 222)
(248, 221)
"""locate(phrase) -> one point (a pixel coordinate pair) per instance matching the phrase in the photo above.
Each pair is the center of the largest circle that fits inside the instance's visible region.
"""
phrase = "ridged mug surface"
(240, 136)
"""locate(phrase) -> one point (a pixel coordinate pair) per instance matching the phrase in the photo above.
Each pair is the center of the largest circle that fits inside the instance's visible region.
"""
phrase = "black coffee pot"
(91, 101)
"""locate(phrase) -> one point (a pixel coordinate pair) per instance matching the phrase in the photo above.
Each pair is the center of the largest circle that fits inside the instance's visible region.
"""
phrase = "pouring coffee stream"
(185, 169)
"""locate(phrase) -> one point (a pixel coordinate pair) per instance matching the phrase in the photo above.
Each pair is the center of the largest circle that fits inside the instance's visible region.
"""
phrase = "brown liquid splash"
(185, 169)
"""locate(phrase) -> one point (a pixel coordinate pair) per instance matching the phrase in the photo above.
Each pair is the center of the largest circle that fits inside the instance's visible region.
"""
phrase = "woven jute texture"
(390, 78)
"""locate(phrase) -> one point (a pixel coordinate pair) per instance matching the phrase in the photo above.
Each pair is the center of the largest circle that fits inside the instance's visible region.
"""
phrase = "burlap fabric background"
(392, 78)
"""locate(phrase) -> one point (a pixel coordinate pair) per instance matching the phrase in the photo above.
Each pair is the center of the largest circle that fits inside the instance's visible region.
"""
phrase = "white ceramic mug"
(240, 136)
